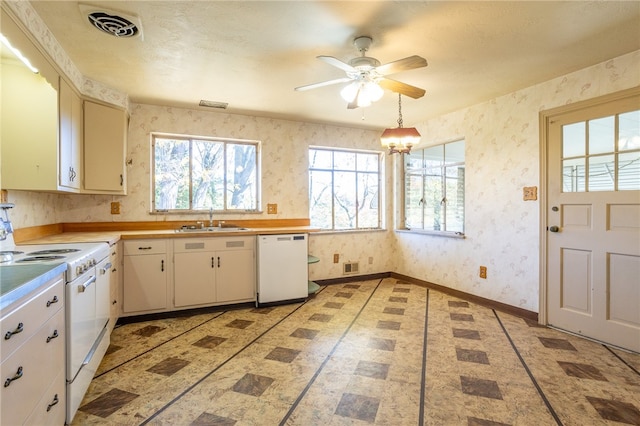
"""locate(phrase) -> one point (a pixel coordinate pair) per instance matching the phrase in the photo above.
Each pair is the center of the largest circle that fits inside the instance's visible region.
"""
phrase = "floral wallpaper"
(502, 156)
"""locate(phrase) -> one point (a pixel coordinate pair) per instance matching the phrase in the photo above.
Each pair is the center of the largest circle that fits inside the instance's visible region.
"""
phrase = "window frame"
(443, 176)
(191, 138)
(333, 170)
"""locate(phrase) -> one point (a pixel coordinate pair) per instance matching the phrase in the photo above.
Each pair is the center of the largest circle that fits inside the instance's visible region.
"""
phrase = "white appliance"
(283, 270)
(86, 303)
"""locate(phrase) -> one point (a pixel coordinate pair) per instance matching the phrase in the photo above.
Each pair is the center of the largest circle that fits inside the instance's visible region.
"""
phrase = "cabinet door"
(70, 153)
(194, 282)
(105, 135)
(235, 277)
(145, 282)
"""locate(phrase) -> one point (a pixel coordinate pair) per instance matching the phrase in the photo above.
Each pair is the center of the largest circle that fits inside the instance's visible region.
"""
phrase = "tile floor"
(372, 352)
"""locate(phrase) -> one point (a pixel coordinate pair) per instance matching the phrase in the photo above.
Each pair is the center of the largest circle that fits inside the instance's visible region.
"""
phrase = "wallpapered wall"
(502, 156)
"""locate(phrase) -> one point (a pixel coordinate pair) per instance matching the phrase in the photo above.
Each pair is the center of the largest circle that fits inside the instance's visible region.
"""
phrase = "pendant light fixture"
(401, 139)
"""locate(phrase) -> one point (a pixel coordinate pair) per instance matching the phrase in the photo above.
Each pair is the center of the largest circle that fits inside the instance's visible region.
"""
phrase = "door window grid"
(593, 161)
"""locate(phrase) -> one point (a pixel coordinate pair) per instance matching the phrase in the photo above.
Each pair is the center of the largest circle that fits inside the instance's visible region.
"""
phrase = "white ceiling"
(253, 54)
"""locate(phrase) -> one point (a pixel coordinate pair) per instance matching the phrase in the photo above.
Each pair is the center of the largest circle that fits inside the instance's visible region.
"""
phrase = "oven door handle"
(83, 287)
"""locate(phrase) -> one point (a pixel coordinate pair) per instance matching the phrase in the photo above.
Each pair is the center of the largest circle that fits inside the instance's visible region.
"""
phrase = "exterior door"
(593, 222)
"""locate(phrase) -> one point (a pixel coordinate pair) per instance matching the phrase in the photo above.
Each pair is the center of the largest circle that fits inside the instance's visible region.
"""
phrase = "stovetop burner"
(53, 251)
(39, 258)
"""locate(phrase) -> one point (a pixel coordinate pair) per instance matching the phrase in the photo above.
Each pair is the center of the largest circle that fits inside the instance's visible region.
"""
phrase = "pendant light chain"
(399, 110)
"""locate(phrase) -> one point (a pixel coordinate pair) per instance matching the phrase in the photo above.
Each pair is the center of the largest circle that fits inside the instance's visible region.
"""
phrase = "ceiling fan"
(368, 78)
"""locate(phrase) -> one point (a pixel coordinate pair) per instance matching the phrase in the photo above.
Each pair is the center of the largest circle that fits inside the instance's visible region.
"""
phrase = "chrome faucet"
(210, 217)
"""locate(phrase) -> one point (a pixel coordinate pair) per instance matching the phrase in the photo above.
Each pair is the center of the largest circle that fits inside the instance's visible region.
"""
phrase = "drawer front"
(135, 247)
(38, 361)
(50, 410)
(30, 317)
(186, 245)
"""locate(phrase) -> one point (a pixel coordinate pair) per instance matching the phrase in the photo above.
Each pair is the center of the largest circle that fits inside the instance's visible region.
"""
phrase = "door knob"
(554, 229)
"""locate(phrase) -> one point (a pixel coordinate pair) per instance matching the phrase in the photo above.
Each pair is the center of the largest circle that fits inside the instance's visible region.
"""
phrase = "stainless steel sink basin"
(212, 229)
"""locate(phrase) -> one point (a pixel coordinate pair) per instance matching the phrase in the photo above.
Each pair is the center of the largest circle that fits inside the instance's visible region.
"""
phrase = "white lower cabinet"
(145, 276)
(211, 271)
(33, 359)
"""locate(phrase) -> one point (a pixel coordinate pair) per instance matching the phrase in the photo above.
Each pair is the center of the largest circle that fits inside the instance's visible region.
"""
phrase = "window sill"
(347, 231)
(445, 234)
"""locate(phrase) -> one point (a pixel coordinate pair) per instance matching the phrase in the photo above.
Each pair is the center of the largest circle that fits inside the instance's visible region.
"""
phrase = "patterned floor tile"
(393, 311)
(463, 333)
(382, 344)
(617, 411)
(480, 387)
(583, 371)
(458, 304)
(252, 384)
(375, 370)
(344, 294)
(108, 403)
(398, 299)
(333, 305)
(461, 317)
(358, 407)
(401, 290)
(353, 286)
(208, 419)
(240, 323)
(474, 421)
(388, 325)
(282, 354)
(149, 330)
(209, 342)
(305, 333)
(469, 355)
(320, 317)
(168, 366)
(552, 343)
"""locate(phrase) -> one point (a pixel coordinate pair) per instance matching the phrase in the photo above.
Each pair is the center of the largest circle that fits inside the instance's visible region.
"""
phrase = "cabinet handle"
(145, 248)
(15, 377)
(115, 302)
(53, 336)
(121, 180)
(52, 301)
(54, 402)
(19, 329)
(218, 261)
(213, 265)
(162, 265)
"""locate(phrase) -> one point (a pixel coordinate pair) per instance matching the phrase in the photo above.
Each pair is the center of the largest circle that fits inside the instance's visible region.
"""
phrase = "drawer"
(40, 361)
(135, 247)
(50, 410)
(188, 245)
(31, 315)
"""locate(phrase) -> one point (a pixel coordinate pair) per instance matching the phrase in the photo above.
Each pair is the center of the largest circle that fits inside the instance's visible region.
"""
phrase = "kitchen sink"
(212, 229)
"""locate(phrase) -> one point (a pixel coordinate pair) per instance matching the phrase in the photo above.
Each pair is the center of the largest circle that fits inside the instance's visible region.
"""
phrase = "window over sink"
(195, 174)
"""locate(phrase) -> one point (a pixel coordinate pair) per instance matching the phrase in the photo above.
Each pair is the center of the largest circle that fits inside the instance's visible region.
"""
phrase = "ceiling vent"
(114, 23)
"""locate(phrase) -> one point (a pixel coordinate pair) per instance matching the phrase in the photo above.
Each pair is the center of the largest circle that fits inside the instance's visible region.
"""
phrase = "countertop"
(18, 281)
(112, 237)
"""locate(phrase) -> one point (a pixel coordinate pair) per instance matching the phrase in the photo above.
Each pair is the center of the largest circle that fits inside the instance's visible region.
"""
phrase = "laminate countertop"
(112, 237)
(20, 281)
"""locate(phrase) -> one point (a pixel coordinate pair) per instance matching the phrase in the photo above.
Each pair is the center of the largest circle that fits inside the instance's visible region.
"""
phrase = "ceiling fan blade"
(409, 63)
(322, 84)
(337, 63)
(402, 88)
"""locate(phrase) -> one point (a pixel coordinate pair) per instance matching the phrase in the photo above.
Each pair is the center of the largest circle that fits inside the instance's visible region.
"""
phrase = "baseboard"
(492, 304)
(488, 303)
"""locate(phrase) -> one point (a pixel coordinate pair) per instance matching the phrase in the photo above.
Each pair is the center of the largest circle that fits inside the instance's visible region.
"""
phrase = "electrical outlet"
(370, 260)
(115, 207)
(336, 258)
(483, 272)
(272, 208)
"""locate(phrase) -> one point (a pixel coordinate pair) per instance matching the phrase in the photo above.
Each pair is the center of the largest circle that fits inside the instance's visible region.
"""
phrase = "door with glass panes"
(593, 218)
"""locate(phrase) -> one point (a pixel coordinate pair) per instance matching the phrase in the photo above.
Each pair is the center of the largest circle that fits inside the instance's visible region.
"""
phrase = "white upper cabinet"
(70, 137)
(105, 144)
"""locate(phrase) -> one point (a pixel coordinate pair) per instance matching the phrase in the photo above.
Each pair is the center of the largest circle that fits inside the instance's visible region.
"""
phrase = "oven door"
(81, 320)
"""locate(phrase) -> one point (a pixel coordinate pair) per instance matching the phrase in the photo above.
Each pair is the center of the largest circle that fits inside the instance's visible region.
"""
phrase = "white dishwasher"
(283, 270)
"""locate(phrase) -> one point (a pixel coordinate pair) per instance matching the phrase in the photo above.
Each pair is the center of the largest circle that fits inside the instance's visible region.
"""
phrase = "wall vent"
(350, 268)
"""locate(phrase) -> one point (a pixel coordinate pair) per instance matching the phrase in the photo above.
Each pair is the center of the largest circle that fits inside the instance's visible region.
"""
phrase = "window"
(195, 174)
(344, 189)
(593, 161)
(434, 188)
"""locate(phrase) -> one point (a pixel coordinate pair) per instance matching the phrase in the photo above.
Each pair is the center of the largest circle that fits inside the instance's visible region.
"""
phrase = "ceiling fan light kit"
(367, 78)
(400, 140)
